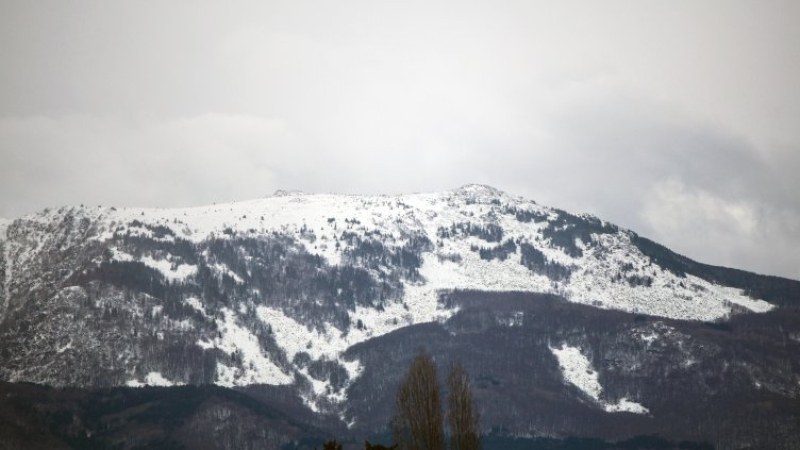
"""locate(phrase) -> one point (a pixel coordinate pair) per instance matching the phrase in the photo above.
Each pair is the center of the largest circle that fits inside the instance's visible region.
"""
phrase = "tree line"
(419, 419)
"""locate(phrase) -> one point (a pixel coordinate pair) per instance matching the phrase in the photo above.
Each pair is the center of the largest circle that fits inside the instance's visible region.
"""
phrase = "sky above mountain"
(676, 119)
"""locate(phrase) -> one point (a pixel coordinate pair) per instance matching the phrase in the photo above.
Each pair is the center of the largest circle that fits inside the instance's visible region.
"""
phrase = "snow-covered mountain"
(279, 290)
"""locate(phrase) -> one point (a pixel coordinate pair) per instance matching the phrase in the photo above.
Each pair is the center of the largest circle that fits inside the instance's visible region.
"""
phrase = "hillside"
(303, 291)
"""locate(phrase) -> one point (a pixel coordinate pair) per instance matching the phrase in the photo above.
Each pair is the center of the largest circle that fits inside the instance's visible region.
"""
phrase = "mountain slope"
(207, 417)
(280, 290)
(727, 384)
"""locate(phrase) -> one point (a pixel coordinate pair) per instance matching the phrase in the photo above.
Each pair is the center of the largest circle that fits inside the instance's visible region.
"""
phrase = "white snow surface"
(257, 367)
(221, 269)
(578, 371)
(195, 303)
(152, 379)
(170, 271)
(317, 220)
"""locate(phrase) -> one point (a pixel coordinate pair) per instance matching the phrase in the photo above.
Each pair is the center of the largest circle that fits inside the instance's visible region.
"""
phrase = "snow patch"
(64, 348)
(256, 367)
(648, 338)
(625, 405)
(152, 379)
(578, 371)
(294, 337)
(222, 269)
(688, 298)
(195, 303)
(172, 272)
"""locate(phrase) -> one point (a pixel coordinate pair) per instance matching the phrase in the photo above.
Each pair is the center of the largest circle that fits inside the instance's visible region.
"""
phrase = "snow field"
(256, 365)
(578, 371)
(152, 379)
(318, 220)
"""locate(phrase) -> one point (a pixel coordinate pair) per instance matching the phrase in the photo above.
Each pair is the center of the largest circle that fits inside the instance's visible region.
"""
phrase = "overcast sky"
(677, 119)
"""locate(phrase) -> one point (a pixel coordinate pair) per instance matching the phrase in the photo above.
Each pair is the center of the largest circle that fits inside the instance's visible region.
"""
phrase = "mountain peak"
(476, 188)
(481, 193)
(287, 192)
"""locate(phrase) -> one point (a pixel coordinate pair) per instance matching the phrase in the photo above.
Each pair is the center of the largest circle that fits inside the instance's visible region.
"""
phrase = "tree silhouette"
(418, 423)
(461, 415)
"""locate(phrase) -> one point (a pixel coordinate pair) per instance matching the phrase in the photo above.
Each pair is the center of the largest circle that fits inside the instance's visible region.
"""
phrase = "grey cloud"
(696, 188)
(664, 117)
(646, 167)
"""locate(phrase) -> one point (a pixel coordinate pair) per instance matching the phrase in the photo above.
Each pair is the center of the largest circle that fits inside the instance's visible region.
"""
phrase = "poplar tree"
(462, 418)
(418, 421)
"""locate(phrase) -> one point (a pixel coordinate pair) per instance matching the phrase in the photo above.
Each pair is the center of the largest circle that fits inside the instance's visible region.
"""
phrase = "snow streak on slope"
(689, 297)
(237, 340)
(170, 271)
(152, 379)
(295, 338)
(578, 371)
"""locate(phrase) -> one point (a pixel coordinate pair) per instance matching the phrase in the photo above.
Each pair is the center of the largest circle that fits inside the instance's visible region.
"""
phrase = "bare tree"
(462, 418)
(418, 423)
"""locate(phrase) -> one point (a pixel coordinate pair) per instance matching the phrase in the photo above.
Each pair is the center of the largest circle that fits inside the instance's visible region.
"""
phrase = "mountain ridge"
(280, 290)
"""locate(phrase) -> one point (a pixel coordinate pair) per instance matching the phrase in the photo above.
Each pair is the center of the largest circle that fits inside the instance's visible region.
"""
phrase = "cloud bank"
(676, 120)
